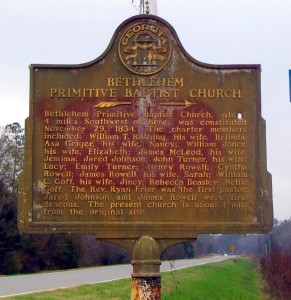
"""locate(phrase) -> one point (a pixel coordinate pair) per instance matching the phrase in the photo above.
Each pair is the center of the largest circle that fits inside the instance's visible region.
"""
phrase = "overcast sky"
(211, 31)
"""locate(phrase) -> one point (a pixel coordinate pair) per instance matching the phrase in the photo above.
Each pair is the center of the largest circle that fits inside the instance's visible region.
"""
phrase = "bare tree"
(11, 155)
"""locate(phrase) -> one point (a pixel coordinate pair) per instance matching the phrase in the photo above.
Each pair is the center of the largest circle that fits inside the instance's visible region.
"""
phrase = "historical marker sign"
(145, 140)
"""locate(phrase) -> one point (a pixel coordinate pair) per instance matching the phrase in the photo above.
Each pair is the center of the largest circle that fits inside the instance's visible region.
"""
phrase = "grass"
(234, 279)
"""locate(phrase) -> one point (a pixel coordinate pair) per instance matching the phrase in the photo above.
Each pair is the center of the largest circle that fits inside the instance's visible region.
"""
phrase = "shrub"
(276, 270)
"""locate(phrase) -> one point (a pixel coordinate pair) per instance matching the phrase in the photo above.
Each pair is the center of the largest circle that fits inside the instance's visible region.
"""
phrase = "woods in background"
(24, 253)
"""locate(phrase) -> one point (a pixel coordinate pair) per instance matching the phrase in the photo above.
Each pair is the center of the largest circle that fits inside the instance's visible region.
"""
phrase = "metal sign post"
(146, 276)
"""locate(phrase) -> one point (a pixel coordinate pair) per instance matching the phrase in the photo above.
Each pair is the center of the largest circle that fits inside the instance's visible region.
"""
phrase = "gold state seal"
(144, 49)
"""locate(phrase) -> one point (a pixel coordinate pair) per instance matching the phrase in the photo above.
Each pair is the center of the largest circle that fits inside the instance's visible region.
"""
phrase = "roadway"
(26, 284)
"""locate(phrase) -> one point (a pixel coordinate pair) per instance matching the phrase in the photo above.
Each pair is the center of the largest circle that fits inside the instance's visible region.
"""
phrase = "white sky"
(211, 31)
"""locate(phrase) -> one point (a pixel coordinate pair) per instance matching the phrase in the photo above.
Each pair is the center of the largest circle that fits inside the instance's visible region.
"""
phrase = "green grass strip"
(234, 279)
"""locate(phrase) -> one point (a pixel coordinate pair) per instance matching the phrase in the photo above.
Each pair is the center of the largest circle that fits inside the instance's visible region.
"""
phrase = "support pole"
(146, 276)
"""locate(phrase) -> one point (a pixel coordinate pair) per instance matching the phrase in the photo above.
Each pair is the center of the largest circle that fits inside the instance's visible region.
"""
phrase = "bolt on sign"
(145, 140)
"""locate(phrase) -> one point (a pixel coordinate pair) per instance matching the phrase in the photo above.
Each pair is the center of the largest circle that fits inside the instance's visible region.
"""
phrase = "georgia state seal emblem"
(144, 49)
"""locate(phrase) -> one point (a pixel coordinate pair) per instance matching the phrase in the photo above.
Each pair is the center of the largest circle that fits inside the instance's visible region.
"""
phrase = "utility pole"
(148, 7)
(144, 7)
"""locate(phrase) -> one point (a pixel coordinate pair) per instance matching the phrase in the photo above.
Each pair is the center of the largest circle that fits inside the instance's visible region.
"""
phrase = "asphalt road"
(25, 284)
